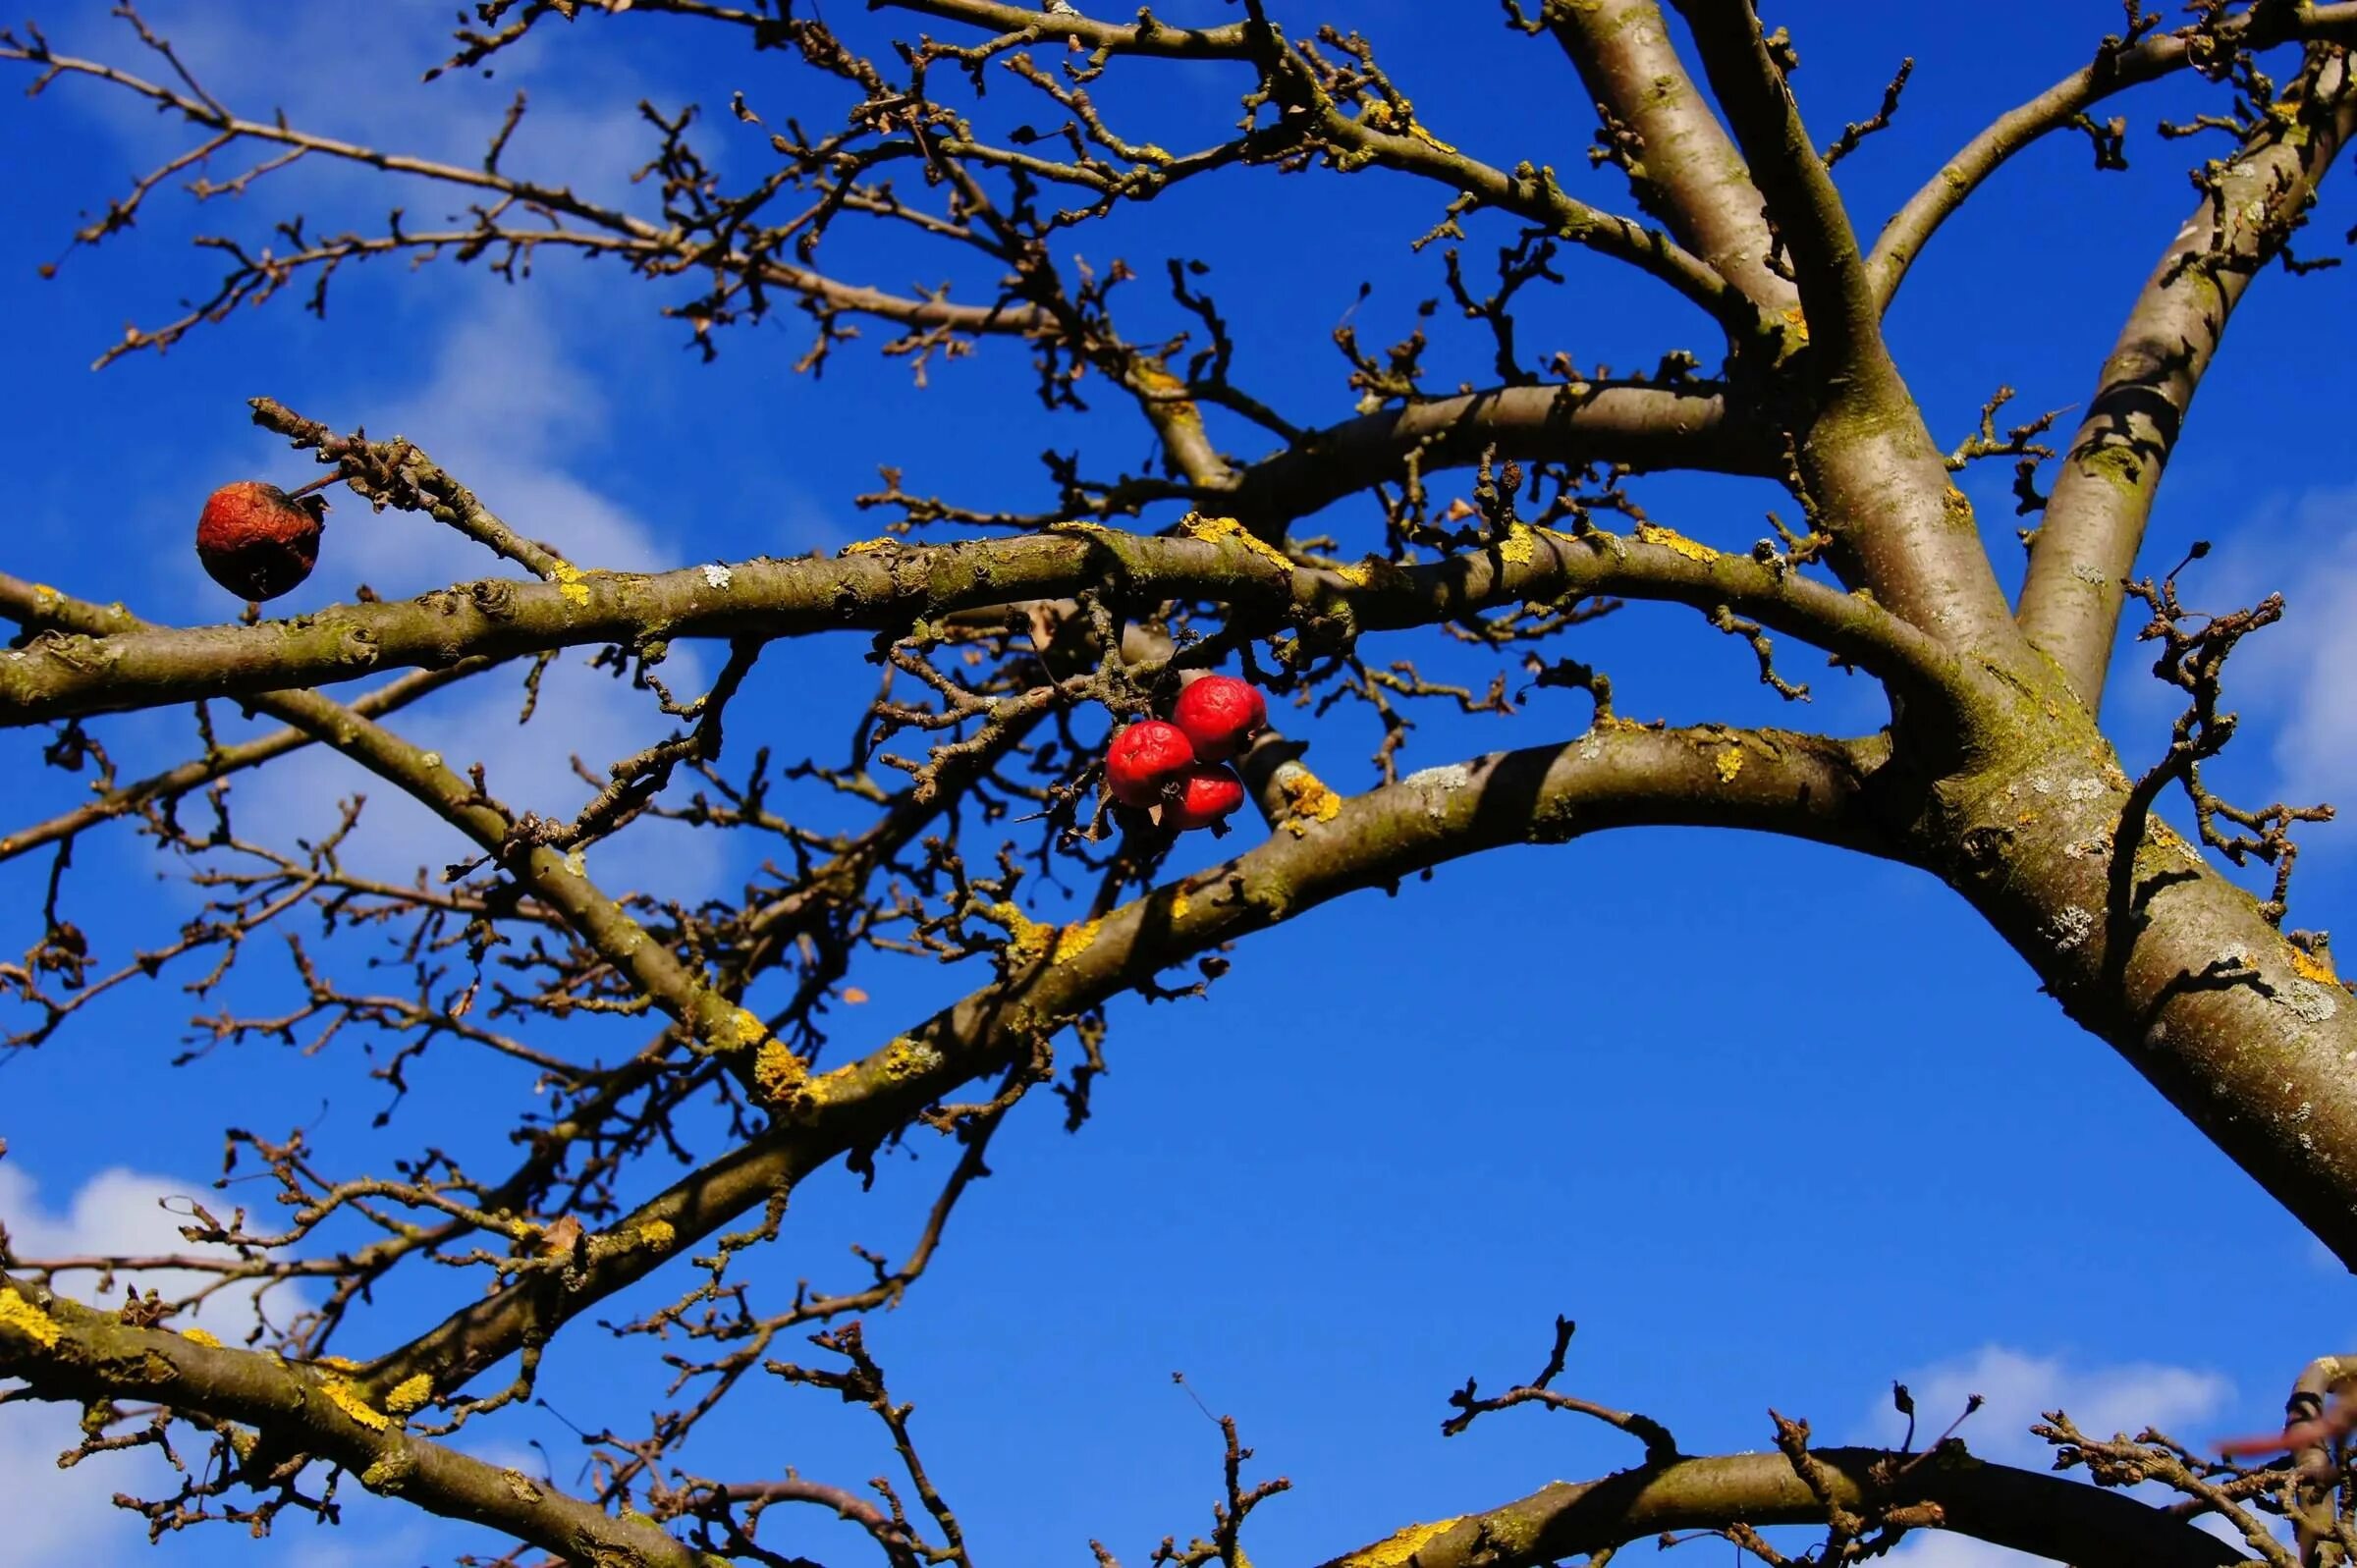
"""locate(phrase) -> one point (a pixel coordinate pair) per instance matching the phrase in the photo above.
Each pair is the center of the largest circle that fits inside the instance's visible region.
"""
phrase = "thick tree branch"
(1866, 460)
(2110, 475)
(1619, 775)
(64, 674)
(2046, 1516)
(1844, 329)
(64, 1350)
(1688, 173)
(2148, 946)
(1646, 427)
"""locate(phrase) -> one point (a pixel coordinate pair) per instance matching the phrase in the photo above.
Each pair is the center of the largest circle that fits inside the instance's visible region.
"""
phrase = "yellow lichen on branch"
(1366, 573)
(1398, 1549)
(409, 1394)
(1029, 941)
(2313, 966)
(1308, 799)
(347, 1398)
(568, 578)
(23, 1316)
(1379, 114)
(777, 1071)
(1213, 529)
(200, 1336)
(1166, 392)
(1073, 941)
(1671, 539)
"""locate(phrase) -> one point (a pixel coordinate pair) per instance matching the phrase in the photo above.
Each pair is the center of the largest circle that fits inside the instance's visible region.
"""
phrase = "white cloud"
(77, 1522)
(116, 1213)
(381, 1545)
(504, 410)
(581, 129)
(1936, 1548)
(121, 1213)
(2294, 676)
(2020, 1388)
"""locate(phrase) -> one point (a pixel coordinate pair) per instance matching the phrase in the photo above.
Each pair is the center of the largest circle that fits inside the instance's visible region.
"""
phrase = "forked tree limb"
(1866, 461)
(1689, 173)
(2110, 474)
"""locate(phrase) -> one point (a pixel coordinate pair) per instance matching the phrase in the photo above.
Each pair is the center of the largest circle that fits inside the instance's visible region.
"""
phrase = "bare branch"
(2043, 1515)
(65, 675)
(2116, 68)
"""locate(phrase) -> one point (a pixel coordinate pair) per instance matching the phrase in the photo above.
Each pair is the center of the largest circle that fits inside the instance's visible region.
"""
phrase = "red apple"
(1145, 760)
(257, 541)
(1206, 795)
(1220, 715)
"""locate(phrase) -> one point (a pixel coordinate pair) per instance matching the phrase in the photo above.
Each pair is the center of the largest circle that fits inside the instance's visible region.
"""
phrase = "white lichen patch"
(717, 576)
(2309, 1001)
(2070, 928)
(2082, 790)
(432, 759)
(1439, 783)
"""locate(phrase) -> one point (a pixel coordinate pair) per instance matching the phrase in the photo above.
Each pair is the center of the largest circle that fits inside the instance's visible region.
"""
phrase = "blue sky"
(1774, 1123)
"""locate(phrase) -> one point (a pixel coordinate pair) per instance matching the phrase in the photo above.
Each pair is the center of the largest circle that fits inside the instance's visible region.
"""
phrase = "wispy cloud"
(77, 1522)
(117, 1212)
(507, 410)
(2295, 678)
(582, 127)
(2018, 1388)
(1935, 1548)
